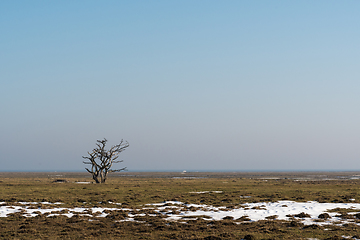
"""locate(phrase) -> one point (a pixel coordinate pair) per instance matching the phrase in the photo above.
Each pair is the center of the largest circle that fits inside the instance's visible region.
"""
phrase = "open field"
(187, 206)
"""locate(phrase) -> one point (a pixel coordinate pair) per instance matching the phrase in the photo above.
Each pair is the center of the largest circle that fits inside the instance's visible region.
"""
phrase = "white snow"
(207, 192)
(174, 210)
(259, 211)
(26, 203)
(200, 192)
(69, 212)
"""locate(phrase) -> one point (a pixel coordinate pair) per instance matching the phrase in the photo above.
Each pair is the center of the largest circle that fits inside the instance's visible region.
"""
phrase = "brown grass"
(135, 191)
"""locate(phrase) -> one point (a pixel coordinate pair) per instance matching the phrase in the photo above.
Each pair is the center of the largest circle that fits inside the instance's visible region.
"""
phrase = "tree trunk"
(95, 178)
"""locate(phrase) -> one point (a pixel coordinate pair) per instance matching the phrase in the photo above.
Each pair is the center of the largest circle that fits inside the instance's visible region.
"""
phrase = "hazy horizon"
(194, 171)
(209, 85)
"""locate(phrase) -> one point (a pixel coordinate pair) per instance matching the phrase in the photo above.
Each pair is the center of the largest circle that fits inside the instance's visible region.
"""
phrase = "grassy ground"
(135, 191)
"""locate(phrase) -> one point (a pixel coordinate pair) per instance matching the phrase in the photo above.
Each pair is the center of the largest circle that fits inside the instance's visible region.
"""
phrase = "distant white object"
(184, 172)
(83, 182)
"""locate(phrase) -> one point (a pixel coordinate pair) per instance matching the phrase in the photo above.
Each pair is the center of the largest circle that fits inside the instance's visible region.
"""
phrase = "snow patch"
(175, 211)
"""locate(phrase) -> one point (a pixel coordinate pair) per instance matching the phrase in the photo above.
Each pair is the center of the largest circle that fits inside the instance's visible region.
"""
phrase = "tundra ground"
(130, 193)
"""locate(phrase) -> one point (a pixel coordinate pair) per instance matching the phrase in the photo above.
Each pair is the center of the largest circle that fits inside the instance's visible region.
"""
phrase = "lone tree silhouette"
(101, 160)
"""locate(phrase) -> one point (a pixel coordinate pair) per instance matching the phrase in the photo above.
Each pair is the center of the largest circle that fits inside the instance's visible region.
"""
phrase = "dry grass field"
(127, 195)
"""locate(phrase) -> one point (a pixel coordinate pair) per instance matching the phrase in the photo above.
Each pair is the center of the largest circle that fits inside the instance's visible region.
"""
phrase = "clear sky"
(191, 85)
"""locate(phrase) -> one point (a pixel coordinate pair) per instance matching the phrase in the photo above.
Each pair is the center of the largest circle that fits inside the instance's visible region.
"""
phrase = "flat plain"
(149, 205)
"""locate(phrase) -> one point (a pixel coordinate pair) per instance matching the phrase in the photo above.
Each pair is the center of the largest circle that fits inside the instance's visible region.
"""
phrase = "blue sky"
(191, 85)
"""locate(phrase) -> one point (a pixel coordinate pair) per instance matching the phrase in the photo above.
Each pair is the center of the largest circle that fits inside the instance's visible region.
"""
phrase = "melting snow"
(27, 203)
(207, 192)
(174, 210)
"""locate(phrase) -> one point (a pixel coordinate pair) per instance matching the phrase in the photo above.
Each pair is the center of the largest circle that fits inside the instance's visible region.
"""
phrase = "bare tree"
(101, 160)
